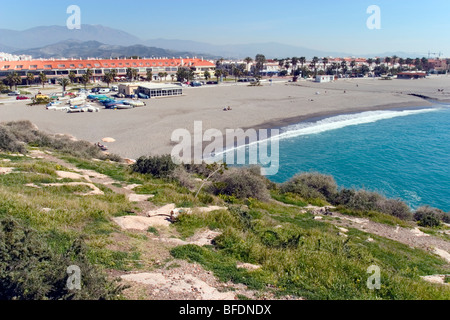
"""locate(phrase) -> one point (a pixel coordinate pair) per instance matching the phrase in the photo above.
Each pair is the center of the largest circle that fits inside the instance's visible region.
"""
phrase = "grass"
(306, 258)
(376, 217)
(153, 230)
(298, 255)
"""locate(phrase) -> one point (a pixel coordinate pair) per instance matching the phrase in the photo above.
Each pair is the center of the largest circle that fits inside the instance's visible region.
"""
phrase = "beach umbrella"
(108, 139)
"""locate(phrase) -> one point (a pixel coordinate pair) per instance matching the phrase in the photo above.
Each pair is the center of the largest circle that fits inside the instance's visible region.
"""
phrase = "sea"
(402, 154)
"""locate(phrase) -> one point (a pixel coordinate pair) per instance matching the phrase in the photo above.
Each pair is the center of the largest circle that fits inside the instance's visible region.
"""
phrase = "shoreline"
(285, 122)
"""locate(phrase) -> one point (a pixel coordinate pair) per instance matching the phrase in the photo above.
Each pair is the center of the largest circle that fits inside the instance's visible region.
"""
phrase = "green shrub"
(428, 217)
(396, 208)
(8, 142)
(311, 185)
(31, 270)
(446, 217)
(26, 132)
(241, 183)
(158, 166)
(180, 175)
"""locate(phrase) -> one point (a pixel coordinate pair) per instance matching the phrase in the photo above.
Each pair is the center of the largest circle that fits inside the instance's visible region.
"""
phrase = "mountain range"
(101, 41)
(91, 49)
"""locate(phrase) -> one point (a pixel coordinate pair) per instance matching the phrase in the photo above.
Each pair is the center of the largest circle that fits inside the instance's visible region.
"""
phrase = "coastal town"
(21, 70)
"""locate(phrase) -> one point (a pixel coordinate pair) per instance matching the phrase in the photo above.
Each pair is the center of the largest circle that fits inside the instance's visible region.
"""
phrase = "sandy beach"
(148, 130)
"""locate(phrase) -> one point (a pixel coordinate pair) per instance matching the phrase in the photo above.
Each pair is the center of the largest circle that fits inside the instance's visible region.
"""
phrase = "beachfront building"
(55, 69)
(159, 90)
(324, 78)
(271, 68)
(437, 65)
(128, 89)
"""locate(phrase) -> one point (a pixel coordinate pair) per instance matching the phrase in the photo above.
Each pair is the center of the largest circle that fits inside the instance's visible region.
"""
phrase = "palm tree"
(236, 73)
(30, 78)
(287, 65)
(377, 61)
(314, 62)
(344, 67)
(13, 79)
(165, 76)
(149, 76)
(260, 60)
(387, 60)
(64, 82)
(89, 73)
(218, 74)
(394, 59)
(353, 65)
(248, 60)
(108, 78)
(173, 76)
(401, 61)
(130, 74)
(114, 73)
(302, 61)
(85, 79)
(72, 76)
(225, 74)
(207, 75)
(409, 62)
(160, 75)
(135, 74)
(424, 63)
(325, 62)
(42, 79)
(294, 61)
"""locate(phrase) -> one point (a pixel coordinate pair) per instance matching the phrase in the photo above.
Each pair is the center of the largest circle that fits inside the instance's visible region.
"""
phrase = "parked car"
(14, 93)
(104, 90)
(211, 82)
(114, 88)
(22, 98)
(41, 96)
(196, 84)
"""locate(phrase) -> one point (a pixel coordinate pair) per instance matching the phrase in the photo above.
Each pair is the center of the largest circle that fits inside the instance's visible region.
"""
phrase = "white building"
(12, 57)
(324, 78)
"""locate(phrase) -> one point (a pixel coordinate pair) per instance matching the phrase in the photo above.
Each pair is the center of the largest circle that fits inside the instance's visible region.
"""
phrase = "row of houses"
(62, 68)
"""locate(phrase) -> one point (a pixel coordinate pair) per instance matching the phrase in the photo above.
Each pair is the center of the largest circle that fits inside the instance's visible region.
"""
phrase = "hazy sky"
(333, 25)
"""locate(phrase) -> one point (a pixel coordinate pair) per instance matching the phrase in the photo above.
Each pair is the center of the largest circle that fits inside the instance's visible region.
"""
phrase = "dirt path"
(411, 237)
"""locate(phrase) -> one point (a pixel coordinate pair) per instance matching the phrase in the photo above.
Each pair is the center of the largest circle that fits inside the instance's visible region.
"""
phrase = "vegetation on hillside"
(45, 229)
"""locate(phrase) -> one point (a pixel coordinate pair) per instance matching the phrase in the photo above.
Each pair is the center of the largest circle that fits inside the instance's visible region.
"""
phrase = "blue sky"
(334, 25)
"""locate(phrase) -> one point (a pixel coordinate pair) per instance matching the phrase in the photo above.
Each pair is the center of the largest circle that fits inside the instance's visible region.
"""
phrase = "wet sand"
(148, 130)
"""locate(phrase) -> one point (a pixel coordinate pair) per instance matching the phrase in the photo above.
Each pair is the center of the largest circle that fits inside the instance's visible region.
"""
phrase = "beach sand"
(147, 130)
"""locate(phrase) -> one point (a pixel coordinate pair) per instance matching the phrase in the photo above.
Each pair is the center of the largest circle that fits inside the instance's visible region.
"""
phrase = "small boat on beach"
(124, 106)
(135, 103)
(75, 109)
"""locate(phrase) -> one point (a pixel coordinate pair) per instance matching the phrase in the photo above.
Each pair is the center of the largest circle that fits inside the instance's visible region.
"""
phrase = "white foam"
(346, 120)
(334, 123)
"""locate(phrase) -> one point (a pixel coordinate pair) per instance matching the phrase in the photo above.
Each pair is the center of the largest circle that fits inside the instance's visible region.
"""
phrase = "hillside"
(241, 238)
(89, 49)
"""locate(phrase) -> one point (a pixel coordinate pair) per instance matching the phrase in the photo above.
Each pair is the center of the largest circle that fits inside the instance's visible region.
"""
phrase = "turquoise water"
(401, 154)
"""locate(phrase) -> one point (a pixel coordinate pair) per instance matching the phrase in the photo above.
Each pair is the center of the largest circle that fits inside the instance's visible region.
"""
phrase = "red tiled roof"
(100, 63)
